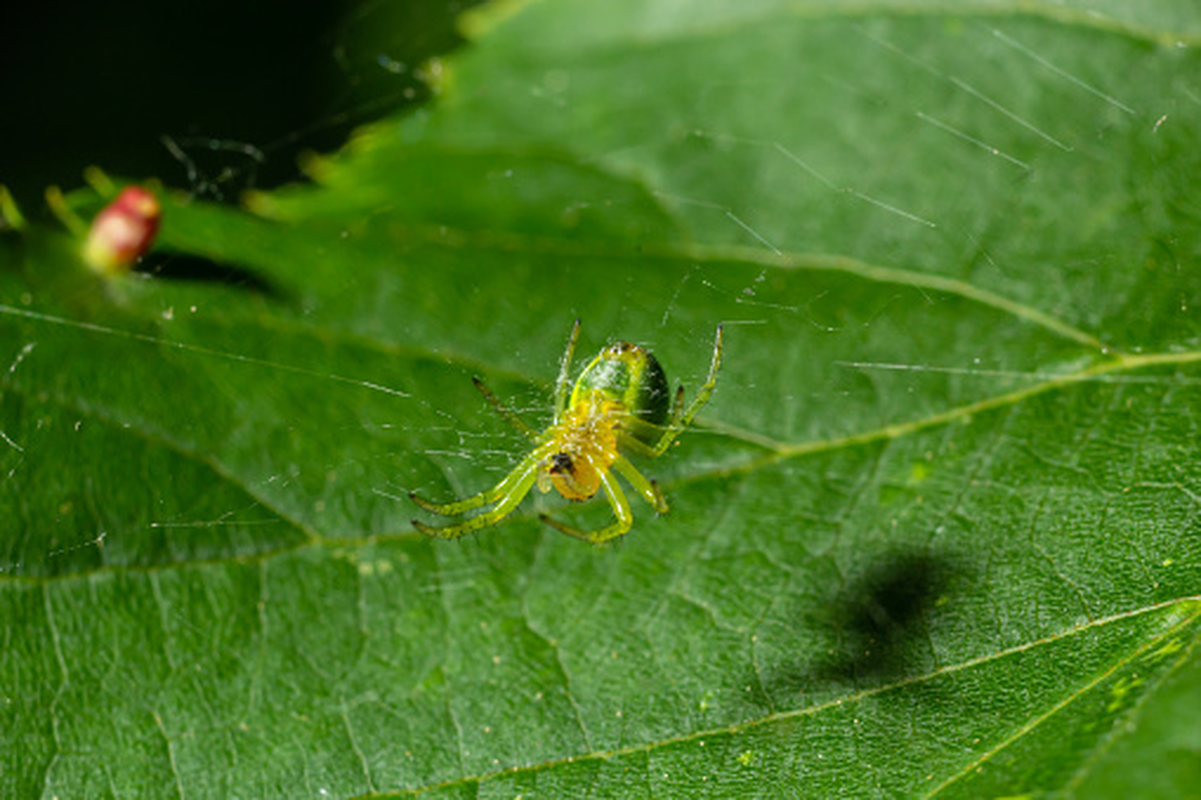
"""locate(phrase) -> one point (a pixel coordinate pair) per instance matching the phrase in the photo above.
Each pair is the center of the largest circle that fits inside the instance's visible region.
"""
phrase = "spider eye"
(561, 464)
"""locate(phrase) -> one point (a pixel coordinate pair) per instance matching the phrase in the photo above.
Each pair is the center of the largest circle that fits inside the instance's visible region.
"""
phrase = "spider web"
(217, 98)
(950, 441)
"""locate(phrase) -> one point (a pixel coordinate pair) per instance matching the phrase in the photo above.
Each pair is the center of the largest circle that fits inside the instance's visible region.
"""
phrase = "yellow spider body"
(620, 402)
(581, 446)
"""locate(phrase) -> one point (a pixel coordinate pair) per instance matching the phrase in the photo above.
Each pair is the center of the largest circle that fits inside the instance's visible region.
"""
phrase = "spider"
(618, 403)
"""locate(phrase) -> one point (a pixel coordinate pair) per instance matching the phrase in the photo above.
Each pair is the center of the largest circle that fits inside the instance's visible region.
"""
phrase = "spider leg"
(630, 444)
(510, 417)
(680, 421)
(649, 489)
(505, 487)
(507, 494)
(621, 507)
(563, 382)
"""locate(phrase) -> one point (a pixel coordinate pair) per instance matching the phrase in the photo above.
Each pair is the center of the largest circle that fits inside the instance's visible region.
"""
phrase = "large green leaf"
(937, 532)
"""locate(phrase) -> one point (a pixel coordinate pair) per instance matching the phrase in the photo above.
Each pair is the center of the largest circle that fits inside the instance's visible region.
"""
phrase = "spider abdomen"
(631, 377)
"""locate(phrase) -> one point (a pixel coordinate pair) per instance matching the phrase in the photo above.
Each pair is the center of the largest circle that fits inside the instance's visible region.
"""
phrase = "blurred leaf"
(937, 531)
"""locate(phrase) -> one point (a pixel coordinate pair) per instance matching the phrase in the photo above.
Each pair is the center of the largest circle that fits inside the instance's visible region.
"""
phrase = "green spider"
(618, 403)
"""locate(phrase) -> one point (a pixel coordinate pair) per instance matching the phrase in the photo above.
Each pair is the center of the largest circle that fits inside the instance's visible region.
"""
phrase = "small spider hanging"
(620, 403)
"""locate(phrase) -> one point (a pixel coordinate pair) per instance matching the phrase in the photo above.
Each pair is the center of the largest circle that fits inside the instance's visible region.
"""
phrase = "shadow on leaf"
(882, 621)
(189, 268)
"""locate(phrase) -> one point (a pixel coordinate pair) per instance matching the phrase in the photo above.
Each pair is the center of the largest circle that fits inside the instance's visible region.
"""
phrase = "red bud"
(123, 231)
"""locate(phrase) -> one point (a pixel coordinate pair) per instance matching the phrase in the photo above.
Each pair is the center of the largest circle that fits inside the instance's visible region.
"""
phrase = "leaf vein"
(1064, 703)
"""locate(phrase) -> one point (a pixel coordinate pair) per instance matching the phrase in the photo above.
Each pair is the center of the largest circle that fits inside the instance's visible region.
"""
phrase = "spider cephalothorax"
(620, 402)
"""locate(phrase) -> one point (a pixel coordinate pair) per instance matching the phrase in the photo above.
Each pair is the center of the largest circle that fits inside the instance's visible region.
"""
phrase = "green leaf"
(936, 533)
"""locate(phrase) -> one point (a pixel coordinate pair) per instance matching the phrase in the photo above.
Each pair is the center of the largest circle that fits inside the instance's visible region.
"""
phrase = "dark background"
(239, 88)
